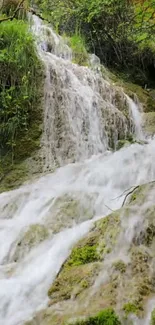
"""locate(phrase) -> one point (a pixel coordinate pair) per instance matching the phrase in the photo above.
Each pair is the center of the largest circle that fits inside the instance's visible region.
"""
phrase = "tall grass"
(20, 74)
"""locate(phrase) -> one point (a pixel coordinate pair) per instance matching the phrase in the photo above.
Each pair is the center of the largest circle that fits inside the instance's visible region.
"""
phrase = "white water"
(24, 281)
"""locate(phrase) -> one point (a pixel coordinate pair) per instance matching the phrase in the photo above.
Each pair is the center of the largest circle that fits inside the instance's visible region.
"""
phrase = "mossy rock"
(86, 256)
(131, 308)
(122, 143)
(72, 281)
(14, 177)
(35, 234)
(70, 208)
(83, 255)
(120, 266)
(149, 123)
(140, 193)
(96, 275)
(146, 97)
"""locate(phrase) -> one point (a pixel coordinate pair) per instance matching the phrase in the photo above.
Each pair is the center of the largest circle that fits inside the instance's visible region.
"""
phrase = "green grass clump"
(105, 317)
(83, 255)
(77, 44)
(130, 308)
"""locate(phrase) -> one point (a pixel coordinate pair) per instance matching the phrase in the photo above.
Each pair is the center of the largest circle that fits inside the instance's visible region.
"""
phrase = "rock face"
(113, 266)
(149, 123)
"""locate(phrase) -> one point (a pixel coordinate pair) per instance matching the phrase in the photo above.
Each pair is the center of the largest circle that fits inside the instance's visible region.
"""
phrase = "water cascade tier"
(84, 113)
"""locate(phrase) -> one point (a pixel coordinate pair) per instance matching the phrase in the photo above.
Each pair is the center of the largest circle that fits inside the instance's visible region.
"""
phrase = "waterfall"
(83, 117)
(84, 114)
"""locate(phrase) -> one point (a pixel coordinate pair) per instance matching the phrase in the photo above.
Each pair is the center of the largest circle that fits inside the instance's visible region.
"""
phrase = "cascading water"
(84, 114)
(36, 235)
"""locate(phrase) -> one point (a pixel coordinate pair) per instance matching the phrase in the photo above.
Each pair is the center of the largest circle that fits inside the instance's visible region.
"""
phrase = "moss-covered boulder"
(112, 267)
(34, 235)
(70, 209)
(124, 282)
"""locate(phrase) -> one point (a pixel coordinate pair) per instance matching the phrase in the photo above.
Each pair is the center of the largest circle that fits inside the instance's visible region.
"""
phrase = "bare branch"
(135, 188)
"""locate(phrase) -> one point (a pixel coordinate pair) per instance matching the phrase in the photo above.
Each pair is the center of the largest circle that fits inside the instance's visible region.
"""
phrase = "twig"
(135, 188)
(108, 207)
(128, 189)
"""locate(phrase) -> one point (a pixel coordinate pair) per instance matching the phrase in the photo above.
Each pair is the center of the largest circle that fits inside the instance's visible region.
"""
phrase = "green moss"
(72, 281)
(35, 234)
(122, 143)
(105, 317)
(152, 322)
(120, 266)
(12, 177)
(78, 273)
(109, 229)
(83, 255)
(31, 238)
(130, 308)
(138, 194)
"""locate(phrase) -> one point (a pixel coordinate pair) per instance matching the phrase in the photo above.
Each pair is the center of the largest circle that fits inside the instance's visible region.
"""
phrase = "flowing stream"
(81, 116)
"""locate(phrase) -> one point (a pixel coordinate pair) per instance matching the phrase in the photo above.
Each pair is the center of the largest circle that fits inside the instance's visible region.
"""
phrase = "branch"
(14, 14)
(135, 188)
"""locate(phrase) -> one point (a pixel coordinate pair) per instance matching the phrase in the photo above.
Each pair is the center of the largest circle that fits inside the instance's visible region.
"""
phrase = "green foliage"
(83, 255)
(105, 317)
(77, 44)
(152, 322)
(10, 6)
(121, 33)
(130, 308)
(20, 77)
